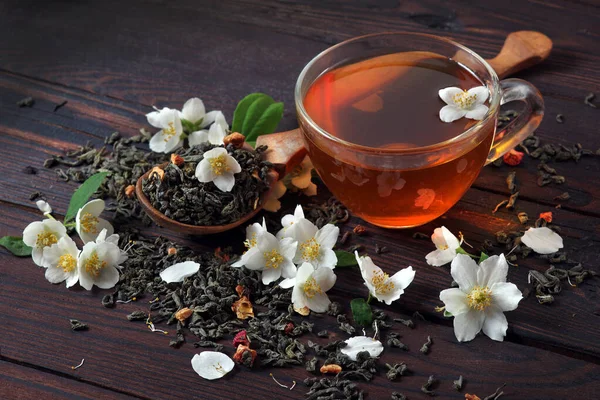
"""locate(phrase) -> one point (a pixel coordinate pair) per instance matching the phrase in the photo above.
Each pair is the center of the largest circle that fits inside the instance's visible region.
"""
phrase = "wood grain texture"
(22, 383)
(122, 354)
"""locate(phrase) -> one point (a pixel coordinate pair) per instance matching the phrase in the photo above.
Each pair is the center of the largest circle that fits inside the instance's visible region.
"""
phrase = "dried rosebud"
(241, 338)
(235, 139)
(177, 159)
(359, 230)
(157, 171)
(183, 314)
(171, 251)
(471, 397)
(547, 216)
(513, 157)
(243, 308)
(130, 191)
(289, 328)
(244, 355)
(331, 369)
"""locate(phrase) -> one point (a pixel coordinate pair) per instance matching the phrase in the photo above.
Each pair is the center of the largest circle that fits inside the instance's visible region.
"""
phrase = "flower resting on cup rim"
(463, 103)
(482, 297)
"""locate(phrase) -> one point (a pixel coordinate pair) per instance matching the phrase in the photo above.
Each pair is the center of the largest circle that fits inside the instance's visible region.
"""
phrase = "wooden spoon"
(286, 149)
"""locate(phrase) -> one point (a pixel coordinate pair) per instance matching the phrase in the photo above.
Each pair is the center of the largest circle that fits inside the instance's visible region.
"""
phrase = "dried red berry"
(547, 216)
(289, 328)
(513, 157)
(241, 339)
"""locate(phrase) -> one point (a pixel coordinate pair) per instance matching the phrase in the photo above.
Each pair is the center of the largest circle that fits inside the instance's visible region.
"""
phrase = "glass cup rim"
(494, 100)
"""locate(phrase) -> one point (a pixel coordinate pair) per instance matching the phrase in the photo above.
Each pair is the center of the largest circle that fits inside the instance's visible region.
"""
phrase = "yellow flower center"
(310, 250)
(88, 223)
(464, 100)
(311, 288)
(219, 164)
(273, 259)
(443, 247)
(382, 283)
(93, 265)
(67, 262)
(249, 243)
(480, 298)
(45, 238)
(169, 132)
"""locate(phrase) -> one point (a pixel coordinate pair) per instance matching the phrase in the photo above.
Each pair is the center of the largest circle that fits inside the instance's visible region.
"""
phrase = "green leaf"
(345, 259)
(15, 245)
(483, 257)
(361, 312)
(242, 109)
(83, 193)
(460, 250)
(267, 122)
(447, 314)
(255, 111)
(251, 143)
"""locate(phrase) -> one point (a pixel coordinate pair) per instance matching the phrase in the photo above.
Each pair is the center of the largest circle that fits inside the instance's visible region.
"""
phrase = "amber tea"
(391, 102)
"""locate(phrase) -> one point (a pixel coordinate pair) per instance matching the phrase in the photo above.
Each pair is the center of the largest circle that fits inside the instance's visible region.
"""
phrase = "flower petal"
(301, 230)
(108, 278)
(477, 113)
(288, 283)
(451, 113)
(319, 303)
(450, 240)
(455, 301)
(481, 94)
(43, 206)
(287, 247)
(492, 270)
(327, 236)
(325, 278)
(327, 259)
(216, 134)
(542, 240)
(254, 259)
(464, 271)
(495, 324)
(193, 110)
(356, 344)
(178, 272)
(31, 232)
(225, 182)
(438, 258)
(72, 278)
(403, 278)
(270, 275)
(197, 138)
(233, 165)
(304, 272)
(94, 207)
(204, 172)
(212, 365)
(447, 94)
(288, 269)
(506, 296)
(468, 325)
(157, 142)
(55, 275)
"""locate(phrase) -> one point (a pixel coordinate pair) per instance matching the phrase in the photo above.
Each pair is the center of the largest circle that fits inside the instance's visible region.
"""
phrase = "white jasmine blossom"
(315, 245)
(44, 207)
(114, 239)
(178, 272)
(193, 111)
(218, 167)
(463, 103)
(88, 223)
(288, 221)
(446, 244)
(170, 136)
(542, 240)
(356, 344)
(98, 264)
(212, 365)
(482, 297)
(309, 287)
(60, 261)
(214, 135)
(42, 234)
(271, 256)
(252, 232)
(382, 286)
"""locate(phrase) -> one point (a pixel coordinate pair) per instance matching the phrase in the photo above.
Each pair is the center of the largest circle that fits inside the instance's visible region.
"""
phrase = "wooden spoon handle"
(521, 50)
(285, 150)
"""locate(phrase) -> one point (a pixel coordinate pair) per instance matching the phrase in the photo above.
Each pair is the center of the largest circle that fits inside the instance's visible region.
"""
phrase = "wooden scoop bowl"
(286, 149)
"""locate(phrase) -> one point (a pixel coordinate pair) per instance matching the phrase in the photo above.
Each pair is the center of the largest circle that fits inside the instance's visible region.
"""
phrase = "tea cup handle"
(525, 123)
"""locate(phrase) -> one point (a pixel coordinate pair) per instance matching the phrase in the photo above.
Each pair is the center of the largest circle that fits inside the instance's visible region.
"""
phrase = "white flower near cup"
(88, 223)
(463, 103)
(446, 244)
(309, 288)
(382, 286)
(212, 365)
(315, 245)
(170, 136)
(288, 221)
(482, 297)
(214, 135)
(542, 240)
(218, 167)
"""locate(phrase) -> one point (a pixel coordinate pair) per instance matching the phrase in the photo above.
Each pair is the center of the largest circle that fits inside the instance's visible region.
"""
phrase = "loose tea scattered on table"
(177, 193)
(426, 346)
(78, 325)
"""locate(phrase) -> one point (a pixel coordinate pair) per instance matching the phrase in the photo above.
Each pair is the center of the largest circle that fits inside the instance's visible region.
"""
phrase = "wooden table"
(113, 60)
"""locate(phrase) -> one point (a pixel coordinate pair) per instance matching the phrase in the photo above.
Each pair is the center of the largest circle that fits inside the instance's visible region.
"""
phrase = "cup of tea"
(369, 111)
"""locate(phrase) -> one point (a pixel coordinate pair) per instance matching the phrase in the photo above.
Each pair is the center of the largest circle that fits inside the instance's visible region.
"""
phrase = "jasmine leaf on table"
(83, 193)
(268, 121)
(15, 245)
(242, 109)
(345, 259)
(361, 312)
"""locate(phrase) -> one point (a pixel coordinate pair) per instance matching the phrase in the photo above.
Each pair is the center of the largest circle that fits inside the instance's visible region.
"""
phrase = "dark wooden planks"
(18, 382)
(120, 354)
